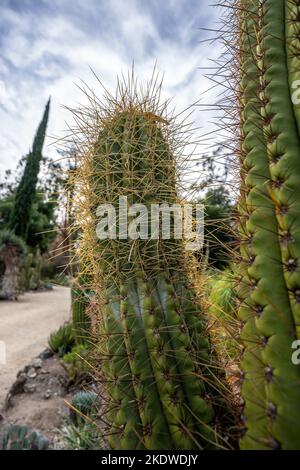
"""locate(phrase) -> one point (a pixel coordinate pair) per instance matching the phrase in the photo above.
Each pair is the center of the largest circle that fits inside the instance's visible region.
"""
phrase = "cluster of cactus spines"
(80, 301)
(269, 229)
(155, 352)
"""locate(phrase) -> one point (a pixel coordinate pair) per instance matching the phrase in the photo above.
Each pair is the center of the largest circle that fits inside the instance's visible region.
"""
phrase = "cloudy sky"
(47, 46)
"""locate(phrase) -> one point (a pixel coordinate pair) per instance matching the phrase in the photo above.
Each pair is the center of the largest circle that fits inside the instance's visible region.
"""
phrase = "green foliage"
(83, 436)
(222, 295)
(26, 191)
(12, 254)
(42, 223)
(32, 271)
(41, 227)
(224, 323)
(62, 279)
(6, 207)
(62, 340)
(155, 362)
(51, 275)
(16, 437)
(76, 362)
(6, 185)
(27, 272)
(8, 238)
(73, 355)
(218, 233)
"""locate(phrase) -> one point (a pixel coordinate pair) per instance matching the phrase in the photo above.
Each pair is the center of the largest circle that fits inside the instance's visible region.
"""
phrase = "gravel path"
(25, 327)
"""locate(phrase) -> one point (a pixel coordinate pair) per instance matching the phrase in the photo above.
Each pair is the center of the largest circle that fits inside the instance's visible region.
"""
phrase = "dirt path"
(25, 327)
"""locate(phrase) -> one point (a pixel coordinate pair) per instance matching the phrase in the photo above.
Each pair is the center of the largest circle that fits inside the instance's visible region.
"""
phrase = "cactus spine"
(152, 329)
(292, 25)
(269, 225)
(80, 301)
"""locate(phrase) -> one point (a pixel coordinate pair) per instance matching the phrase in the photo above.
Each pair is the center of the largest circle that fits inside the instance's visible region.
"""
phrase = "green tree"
(26, 191)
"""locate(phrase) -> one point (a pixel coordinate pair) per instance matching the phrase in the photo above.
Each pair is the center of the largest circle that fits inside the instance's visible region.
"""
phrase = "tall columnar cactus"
(269, 222)
(155, 355)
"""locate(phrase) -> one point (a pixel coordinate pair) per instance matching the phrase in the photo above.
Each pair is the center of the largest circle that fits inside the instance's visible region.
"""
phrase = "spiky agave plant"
(265, 40)
(152, 330)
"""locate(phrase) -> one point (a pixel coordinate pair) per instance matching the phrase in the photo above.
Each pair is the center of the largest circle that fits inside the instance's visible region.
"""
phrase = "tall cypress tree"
(26, 191)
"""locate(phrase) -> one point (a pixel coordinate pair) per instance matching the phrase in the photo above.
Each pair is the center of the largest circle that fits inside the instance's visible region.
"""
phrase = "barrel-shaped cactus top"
(133, 160)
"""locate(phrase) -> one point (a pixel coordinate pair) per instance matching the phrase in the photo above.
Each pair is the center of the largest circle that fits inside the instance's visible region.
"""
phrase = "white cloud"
(46, 51)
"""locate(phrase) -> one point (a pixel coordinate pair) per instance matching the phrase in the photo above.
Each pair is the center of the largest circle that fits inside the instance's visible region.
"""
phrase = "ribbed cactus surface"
(155, 354)
(269, 223)
(157, 343)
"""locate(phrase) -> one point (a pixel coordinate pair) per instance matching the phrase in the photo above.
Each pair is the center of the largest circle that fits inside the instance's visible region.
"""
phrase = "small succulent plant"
(84, 404)
(18, 437)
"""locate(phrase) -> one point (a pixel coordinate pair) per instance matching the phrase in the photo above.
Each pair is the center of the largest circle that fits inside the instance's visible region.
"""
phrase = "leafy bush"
(62, 340)
(7, 237)
(222, 296)
(223, 316)
(74, 361)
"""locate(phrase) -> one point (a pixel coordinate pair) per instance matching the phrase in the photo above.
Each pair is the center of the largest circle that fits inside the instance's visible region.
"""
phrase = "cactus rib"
(155, 359)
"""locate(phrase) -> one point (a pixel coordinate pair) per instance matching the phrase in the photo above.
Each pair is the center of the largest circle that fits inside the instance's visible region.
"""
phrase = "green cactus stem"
(283, 146)
(155, 354)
